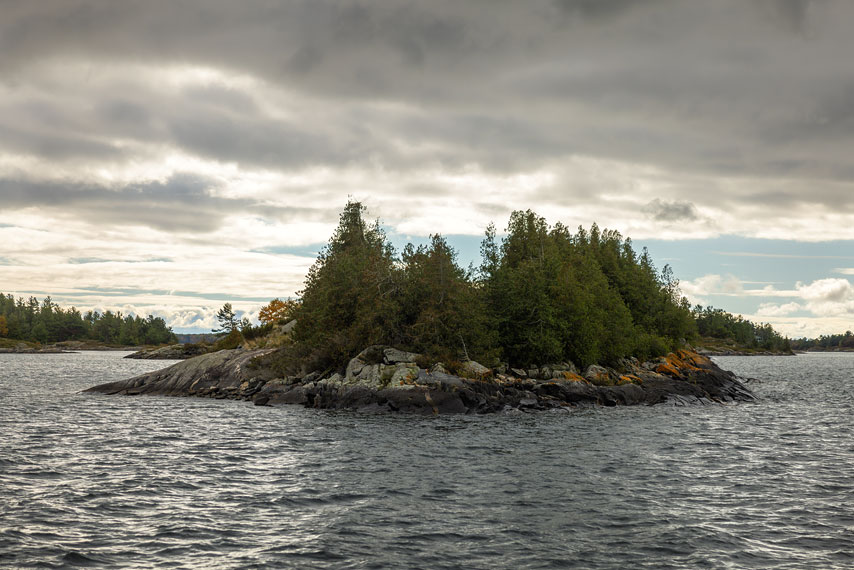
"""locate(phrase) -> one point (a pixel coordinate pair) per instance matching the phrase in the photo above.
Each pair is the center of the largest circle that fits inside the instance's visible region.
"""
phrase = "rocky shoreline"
(171, 352)
(734, 352)
(62, 347)
(385, 379)
(24, 348)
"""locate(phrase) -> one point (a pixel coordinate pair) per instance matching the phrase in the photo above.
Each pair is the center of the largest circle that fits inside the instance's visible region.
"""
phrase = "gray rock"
(598, 374)
(472, 369)
(222, 371)
(171, 352)
(395, 356)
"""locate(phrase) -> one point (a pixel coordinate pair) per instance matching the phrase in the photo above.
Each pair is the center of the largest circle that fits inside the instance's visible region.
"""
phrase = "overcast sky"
(166, 156)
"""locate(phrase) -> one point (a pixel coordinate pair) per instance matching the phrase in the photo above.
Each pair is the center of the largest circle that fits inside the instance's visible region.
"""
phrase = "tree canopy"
(542, 295)
(277, 311)
(227, 319)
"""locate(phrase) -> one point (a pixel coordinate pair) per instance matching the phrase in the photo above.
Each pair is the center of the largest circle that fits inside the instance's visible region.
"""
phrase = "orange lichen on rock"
(668, 369)
(572, 376)
(630, 379)
(681, 363)
(697, 361)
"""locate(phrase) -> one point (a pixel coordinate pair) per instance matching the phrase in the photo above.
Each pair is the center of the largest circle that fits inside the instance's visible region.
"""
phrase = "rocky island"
(442, 339)
(387, 379)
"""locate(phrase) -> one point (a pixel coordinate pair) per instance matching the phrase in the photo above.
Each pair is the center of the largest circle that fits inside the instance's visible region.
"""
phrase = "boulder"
(472, 369)
(598, 375)
(395, 356)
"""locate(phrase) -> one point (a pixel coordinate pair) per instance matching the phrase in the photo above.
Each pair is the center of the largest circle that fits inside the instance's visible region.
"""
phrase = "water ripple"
(89, 481)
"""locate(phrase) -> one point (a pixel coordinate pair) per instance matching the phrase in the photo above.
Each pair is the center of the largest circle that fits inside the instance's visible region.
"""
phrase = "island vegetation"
(721, 331)
(542, 294)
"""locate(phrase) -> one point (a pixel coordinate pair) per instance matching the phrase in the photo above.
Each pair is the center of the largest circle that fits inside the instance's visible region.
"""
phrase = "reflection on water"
(91, 480)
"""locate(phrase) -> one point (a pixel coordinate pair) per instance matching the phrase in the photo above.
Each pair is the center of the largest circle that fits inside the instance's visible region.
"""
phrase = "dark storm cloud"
(753, 89)
(211, 122)
(790, 13)
(676, 211)
(599, 8)
(184, 203)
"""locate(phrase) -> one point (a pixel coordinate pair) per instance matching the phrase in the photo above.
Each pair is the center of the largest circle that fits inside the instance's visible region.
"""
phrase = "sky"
(165, 157)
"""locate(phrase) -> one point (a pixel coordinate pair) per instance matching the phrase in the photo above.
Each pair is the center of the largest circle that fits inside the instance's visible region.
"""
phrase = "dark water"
(101, 481)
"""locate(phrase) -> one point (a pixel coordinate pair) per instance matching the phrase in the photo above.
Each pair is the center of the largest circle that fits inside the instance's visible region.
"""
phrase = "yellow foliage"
(277, 310)
(4, 329)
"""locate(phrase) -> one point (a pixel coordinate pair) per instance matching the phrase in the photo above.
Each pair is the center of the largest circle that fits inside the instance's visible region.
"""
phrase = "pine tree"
(226, 318)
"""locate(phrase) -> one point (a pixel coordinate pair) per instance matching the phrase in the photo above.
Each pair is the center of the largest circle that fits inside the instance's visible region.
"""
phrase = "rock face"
(223, 374)
(171, 352)
(387, 379)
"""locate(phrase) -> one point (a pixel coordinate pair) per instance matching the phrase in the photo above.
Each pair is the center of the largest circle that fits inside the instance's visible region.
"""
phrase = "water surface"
(145, 482)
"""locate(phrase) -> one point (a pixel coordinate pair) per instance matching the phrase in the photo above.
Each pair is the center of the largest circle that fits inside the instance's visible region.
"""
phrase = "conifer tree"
(350, 293)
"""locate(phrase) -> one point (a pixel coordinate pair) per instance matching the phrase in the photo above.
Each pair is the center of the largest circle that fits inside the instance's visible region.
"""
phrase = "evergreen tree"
(441, 313)
(226, 318)
(349, 300)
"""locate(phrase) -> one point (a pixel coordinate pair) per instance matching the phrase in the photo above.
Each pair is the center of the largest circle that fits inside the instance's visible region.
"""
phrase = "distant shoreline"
(15, 346)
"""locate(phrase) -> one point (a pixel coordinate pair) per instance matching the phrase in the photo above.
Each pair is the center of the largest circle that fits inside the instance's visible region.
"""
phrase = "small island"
(550, 320)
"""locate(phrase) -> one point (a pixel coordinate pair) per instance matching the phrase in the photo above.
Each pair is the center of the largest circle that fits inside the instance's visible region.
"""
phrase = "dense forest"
(717, 323)
(843, 341)
(45, 321)
(542, 295)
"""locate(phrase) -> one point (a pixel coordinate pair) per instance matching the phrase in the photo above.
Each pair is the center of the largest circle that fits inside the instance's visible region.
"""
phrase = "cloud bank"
(204, 131)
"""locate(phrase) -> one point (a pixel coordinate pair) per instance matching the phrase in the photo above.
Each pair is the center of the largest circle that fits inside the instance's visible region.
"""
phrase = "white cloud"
(831, 290)
(776, 310)
(826, 305)
(712, 284)
(805, 326)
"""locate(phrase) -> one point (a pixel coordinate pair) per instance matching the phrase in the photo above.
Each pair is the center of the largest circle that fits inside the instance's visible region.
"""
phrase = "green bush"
(230, 341)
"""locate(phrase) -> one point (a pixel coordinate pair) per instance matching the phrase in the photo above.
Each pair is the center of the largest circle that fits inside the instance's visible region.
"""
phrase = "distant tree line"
(826, 342)
(717, 323)
(543, 294)
(45, 321)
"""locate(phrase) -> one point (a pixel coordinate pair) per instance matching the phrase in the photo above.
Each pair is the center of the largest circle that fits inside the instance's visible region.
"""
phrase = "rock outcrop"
(171, 352)
(387, 379)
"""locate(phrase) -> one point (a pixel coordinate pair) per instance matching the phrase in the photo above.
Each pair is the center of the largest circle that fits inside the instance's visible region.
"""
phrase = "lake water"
(109, 481)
